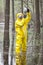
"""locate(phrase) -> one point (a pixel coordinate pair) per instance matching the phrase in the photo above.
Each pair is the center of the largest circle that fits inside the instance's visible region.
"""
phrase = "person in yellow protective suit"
(26, 19)
(21, 25)
(19, 37)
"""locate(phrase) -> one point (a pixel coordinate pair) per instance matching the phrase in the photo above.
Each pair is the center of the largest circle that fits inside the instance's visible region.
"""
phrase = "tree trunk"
(40, 62)
(37, 32)
(12, 47)
(6, 33)
(22, 6)
(41, 11)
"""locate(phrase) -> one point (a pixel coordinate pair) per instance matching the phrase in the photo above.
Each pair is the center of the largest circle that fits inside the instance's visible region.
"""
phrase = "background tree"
(6, 33)
(37, 32)
(13, 23)
(40, 62)
(41, 5)
(22, 6)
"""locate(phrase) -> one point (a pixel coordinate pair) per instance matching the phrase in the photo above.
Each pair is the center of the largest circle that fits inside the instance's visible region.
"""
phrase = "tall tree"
(37, 32)
(40, 62)
(22, 5)
(6, 32)
(41, 5)
(13, 18)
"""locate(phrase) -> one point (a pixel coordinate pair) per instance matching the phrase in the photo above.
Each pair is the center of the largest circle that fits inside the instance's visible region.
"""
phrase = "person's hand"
(27, 10)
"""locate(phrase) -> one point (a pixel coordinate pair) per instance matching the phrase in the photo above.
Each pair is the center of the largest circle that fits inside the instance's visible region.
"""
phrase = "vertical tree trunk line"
(40, 62)
(22, 6)
(37, 32)
(13, 23)
(6, 33)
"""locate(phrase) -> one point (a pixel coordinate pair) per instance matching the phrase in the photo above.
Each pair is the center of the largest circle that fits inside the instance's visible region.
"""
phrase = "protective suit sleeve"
(28, 17)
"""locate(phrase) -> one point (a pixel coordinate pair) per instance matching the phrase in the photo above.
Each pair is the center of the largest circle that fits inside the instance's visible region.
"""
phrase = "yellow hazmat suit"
(24, 45)
(21, 38)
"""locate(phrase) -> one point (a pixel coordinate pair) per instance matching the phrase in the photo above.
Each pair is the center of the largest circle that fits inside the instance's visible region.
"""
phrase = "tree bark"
(22, 6)
(37, 32)
(13, 19)
(6, 33)
(40, 62)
